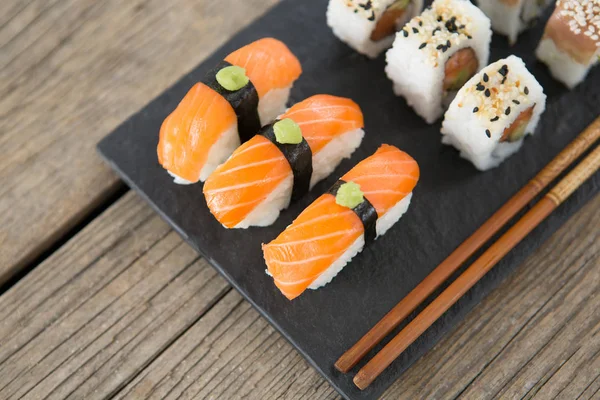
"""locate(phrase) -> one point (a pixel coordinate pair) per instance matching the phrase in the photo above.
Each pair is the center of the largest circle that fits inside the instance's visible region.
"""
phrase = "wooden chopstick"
(478, 269)
(407, 305)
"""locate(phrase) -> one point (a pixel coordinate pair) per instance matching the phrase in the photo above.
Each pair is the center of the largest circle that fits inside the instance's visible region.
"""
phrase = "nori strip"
(243, 101)
(299, 156)
(365, 211)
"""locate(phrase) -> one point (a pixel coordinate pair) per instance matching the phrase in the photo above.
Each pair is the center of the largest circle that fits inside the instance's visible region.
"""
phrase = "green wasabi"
(287, 132)
(232, 78)
(349, 195)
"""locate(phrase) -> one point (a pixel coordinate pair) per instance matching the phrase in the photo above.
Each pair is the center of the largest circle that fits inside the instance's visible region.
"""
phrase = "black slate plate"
(451, 200)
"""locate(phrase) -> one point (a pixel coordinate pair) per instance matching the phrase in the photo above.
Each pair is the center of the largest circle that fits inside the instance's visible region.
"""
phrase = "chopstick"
(478, 269)
(407, 305)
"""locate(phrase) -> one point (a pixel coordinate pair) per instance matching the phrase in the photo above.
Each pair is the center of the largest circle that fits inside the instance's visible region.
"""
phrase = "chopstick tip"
(342, 365)
(362, 380)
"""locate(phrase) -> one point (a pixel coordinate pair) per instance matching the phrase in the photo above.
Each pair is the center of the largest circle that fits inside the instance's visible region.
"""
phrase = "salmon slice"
(237, 186)
(187, 135)
(268, 63)
(325, 230)
(323, 117)
(385, 178)
(258, 167)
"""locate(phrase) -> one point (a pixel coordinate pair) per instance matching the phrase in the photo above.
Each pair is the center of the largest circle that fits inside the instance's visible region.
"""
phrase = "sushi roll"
(363, 205)
(244, 92)
(284, 161)
(436, 53)
(511, 17)
(368, 26)
(492, 113)
(571, 42)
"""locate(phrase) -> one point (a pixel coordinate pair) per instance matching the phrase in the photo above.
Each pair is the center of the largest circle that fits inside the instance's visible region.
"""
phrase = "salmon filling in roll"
(334, 228)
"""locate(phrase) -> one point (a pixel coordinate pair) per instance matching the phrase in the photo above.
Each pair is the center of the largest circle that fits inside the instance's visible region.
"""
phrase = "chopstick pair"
(559, 193)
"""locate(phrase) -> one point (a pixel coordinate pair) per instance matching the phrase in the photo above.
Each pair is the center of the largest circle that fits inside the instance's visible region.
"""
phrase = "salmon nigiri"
(263, 175)
(244, 92)
(364, 204)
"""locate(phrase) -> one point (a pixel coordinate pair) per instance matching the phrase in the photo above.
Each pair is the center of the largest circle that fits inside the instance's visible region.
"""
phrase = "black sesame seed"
(469, 37)
(526, 90)
(444, 49)
(440, 19)
(461, 27)
(480, 87)
(485, 77)
(422, 45)
(355, 11)
(503, 70)
(507, 111)
(488, 133)
(405, 33)
(420, 23)
(516, 102)
(372, 17)
(496, 118)
(440, 46)
(487, 92)
(503, 80)
(415, 30)
(451, 25)
(367, 5)
(436, 30)
(476, 109)
(448, 44)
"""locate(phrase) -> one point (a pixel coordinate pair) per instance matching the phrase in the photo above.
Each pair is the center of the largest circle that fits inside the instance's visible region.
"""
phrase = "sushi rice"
(479, 119)
(353, 22)
(417, 60)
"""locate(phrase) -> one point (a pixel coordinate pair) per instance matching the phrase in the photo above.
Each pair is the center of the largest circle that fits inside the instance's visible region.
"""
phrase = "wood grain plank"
(96, 312)
(71, 71)
(522, 313)
(231, 353)
(124, 309)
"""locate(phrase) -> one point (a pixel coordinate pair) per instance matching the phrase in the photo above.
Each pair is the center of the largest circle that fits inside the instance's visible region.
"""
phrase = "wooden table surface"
(100, 299)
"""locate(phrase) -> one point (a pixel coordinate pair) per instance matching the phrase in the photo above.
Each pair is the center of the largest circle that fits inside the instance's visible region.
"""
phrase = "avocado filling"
(386, 26)
(460, 67)
(516, 130)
